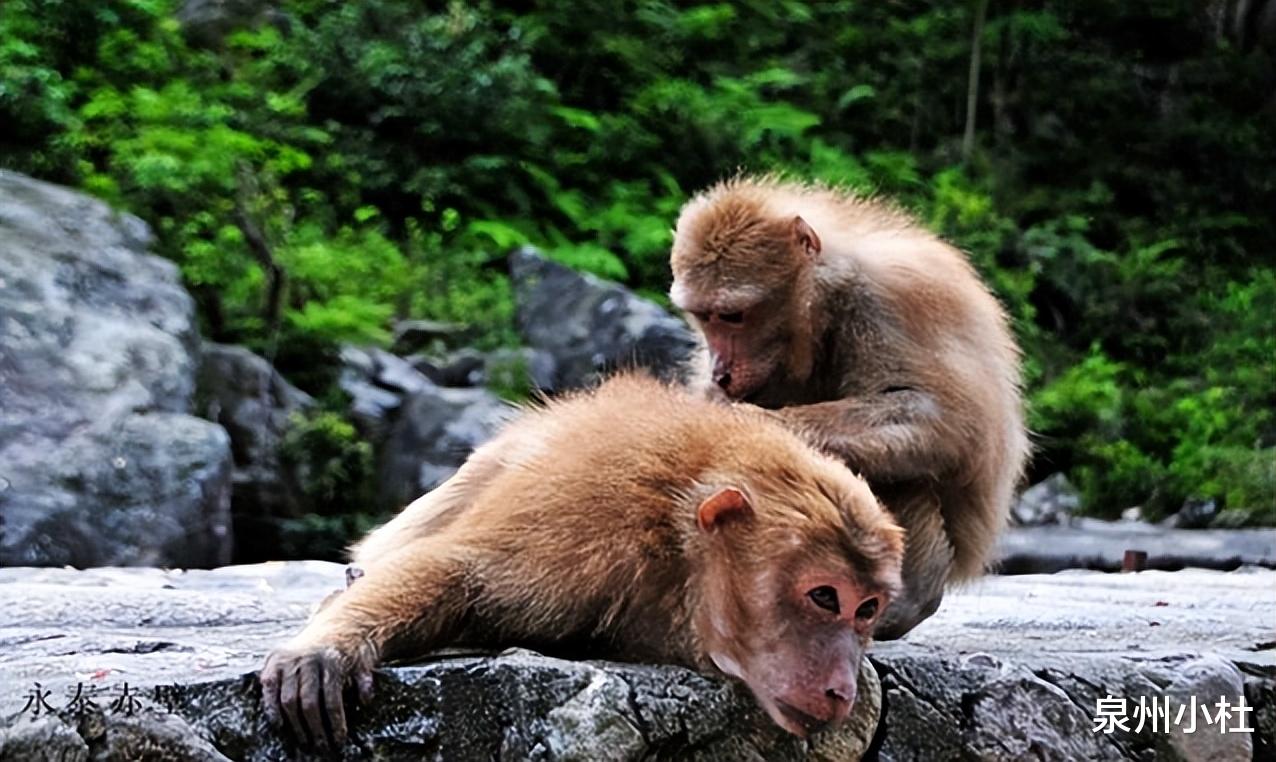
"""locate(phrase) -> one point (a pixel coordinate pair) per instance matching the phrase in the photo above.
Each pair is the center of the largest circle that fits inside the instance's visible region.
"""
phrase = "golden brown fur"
(638, 519)
(879, 343)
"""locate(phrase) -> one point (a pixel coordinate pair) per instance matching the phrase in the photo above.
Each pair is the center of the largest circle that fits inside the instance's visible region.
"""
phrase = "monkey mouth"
(808, 723)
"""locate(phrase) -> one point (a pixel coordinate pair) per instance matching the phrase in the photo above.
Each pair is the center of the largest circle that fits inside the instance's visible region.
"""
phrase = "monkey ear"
(724, 505)
(805, 236)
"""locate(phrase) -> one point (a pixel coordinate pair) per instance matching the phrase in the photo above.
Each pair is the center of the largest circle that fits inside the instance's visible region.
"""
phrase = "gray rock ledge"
(1010, 668)
(1084, 543)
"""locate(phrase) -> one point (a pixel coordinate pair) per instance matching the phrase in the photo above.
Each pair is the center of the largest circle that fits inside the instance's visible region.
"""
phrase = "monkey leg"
(412, 601)
(928, 559)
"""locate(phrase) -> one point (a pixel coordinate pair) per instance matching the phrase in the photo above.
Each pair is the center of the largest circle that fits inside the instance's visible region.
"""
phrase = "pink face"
(801, 658)
(745, 348)
(744, 304)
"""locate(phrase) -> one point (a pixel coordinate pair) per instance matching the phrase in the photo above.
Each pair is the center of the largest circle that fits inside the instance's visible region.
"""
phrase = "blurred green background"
(1115, 182)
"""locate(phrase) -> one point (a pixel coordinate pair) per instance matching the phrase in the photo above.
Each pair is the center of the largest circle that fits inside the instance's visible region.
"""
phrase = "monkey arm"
(410, 601)
(889, 436)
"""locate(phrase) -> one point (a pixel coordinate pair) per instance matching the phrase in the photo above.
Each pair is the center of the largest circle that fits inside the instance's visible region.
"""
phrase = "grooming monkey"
(648, 522)
(874, 340)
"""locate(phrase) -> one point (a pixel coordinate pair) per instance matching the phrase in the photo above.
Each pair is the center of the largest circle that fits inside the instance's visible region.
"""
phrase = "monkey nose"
(842, 694)
(723, 379)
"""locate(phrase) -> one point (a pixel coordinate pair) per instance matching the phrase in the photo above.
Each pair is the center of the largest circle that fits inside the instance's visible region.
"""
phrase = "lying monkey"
(655, 525)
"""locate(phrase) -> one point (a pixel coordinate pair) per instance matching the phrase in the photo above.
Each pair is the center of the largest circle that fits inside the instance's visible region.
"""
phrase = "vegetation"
(329, 166)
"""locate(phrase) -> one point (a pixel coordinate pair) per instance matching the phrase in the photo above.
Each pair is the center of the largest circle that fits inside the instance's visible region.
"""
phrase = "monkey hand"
(713, 393)
(303, 682)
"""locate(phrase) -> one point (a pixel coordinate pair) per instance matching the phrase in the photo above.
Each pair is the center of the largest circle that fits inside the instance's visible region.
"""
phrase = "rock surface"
(426, 335)
(99, 463)
(1050, 501)
(589, 325)
(377, 381)
(422, 431)
(186, 643)
(244, 393)
(434, 433)
(1010, 668)
(505, 368)
(1101, 546)
(1195, 514)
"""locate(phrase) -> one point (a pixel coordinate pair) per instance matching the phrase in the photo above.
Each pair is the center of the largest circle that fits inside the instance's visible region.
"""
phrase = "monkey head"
(744, 277)
(793, 582)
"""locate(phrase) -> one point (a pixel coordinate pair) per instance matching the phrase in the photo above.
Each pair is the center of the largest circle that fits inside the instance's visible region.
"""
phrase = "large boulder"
(244, 393)
(423, 431)
(433, 434)
(1009, 668)
(186, 643)
(377, 383)
(99, 461)
(591, 326)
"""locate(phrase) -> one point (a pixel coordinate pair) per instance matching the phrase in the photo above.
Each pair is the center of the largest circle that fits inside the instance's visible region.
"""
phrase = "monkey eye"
(731, 317)
(703, 317)
(826, 598)
(868, 609)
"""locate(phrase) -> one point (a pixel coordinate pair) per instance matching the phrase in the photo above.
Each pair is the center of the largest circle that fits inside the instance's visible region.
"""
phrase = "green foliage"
(355, 163)
(333, 465)
(347, 282)
(320, 536)
(509, 378)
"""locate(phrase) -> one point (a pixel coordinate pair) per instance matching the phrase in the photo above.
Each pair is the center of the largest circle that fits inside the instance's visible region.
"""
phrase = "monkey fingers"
(306, 687)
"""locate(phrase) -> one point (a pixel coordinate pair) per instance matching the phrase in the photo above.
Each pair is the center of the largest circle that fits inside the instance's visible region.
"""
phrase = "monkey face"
(743, 357)
(800, 653)
(748, 342)
(753, 312)
(796, 587)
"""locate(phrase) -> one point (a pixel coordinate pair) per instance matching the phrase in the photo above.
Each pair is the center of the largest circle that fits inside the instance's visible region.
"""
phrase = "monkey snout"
(840, 690)
(841, 700)
(721, 371)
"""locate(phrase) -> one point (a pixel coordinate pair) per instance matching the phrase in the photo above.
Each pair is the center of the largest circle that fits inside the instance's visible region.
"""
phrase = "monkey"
(878, 343)
(652, 524)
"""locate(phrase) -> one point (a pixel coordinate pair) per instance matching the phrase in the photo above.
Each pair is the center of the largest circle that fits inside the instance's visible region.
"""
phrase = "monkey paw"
(305, 684)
